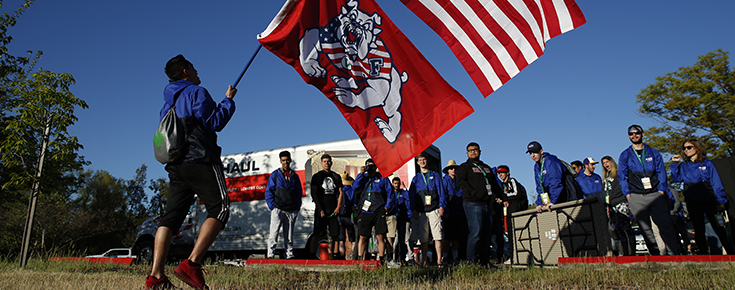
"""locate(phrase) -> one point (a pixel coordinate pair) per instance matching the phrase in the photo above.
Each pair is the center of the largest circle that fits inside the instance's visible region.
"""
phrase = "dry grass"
(68, 275)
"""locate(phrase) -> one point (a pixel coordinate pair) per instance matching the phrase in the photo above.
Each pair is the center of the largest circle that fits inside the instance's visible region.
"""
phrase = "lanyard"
(541, 172)
(482, 171)
(607, 183)
(370, 186)
(426, 181)
(641, 158)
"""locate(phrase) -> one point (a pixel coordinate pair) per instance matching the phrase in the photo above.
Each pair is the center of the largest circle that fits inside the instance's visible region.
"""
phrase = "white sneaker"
(393, 265)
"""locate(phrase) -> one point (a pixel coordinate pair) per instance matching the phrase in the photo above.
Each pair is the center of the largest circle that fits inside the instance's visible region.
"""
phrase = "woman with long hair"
(618, 210)
(703, 192)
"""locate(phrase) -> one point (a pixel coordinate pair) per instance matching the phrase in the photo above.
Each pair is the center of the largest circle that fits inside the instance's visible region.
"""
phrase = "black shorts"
(366, 222)
(188, 179)
(321, 224)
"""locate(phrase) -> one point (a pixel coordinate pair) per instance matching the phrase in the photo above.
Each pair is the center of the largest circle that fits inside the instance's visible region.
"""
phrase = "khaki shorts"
(392, 222)
(430, 220)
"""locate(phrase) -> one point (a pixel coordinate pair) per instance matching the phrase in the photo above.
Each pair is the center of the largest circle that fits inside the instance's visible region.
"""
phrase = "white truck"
(247, 174)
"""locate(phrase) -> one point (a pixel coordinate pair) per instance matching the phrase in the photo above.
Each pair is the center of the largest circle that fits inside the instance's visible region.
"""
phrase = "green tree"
(136, 193)
(46, 103)
(160, 195)
(12, 67)
(102, 219)
(36, 107)
(693, 102)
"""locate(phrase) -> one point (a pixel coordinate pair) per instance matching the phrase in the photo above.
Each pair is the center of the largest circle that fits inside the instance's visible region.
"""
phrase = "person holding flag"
(197, 172)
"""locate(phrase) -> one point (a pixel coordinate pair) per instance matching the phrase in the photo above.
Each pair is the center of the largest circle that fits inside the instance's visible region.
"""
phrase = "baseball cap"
(503, 168)
(589, 160)
(635, 128)
(533, 147)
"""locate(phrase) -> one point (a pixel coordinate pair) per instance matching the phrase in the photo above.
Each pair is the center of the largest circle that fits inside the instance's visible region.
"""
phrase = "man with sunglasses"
(643, 180)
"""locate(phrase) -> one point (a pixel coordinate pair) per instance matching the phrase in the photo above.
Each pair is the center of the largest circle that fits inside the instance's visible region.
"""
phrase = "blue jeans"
(479, 224)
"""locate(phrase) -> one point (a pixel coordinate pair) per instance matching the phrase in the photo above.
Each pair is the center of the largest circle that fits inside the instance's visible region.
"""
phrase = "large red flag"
(389, 93)
(495, 39)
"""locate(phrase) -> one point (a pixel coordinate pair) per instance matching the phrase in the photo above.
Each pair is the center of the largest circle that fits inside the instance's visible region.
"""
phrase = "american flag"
(495, 39)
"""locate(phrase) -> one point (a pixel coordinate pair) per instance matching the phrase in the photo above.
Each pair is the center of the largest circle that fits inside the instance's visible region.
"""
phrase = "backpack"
(169, 140)
(571, 187)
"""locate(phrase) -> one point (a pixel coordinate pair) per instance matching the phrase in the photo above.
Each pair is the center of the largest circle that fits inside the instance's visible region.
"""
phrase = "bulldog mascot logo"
(351, 43)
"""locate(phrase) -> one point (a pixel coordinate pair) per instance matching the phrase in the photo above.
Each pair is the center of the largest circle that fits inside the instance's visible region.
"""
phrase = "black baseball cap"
(635, 128)
(533, 147)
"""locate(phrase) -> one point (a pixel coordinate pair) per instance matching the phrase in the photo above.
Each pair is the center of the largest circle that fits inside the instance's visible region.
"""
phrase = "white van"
(247, 176)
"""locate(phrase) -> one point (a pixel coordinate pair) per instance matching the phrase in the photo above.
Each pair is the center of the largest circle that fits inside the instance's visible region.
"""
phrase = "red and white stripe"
(496, 39)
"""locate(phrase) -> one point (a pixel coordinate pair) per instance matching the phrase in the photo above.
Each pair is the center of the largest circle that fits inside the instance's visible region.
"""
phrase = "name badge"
(505, 211)
(607, 199)
(720, 219)
(489, 189)
(545, 198)
(646, 182)
(427, 200)
(366, 205)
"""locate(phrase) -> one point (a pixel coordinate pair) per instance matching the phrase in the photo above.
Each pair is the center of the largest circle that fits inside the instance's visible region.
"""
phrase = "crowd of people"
(404, 221)
(465, 213)
(636, 189)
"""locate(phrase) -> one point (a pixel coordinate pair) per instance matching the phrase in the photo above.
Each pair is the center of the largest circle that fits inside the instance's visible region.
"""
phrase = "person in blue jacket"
(198, 171)
(428, 199)
(703, 192)
(455, 231)
(548, 172)
(376, 197)
(589, 181)
(347, 238)
(643, 181)
(402, 241)
(283, 195)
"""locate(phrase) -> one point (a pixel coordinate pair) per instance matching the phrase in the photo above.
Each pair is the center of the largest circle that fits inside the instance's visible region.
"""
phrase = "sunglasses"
(634, 133)
(688, 147)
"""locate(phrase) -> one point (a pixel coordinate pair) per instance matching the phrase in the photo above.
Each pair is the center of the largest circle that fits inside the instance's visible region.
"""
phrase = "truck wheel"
(145, 251)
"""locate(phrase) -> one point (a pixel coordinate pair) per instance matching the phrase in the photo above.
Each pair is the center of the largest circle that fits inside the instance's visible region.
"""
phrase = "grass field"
(41, 274)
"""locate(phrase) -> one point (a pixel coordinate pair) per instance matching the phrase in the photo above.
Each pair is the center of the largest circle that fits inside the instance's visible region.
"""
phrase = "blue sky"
(577, 100)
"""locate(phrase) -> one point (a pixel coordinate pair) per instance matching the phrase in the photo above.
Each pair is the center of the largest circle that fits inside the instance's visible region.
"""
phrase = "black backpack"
(169, 140)
(572, 190)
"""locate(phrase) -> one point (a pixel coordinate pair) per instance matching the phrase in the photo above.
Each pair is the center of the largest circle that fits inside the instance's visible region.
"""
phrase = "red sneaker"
(158, 284)
(191, 275)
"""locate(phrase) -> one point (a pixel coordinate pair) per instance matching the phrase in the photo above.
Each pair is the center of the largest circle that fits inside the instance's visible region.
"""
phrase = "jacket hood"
(172, 88)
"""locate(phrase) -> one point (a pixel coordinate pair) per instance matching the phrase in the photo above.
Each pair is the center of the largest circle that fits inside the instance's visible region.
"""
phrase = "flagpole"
(247, 66)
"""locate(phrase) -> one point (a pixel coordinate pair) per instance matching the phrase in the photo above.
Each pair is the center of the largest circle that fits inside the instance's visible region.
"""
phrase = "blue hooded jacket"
(551, 173)
(284, 194)
(701, 181)
(630, 171)
(419, 188)
(378, 190)
(202, 118)
(590, 184)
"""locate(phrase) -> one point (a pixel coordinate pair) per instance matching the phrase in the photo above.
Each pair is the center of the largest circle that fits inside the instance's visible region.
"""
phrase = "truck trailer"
(247, 174)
